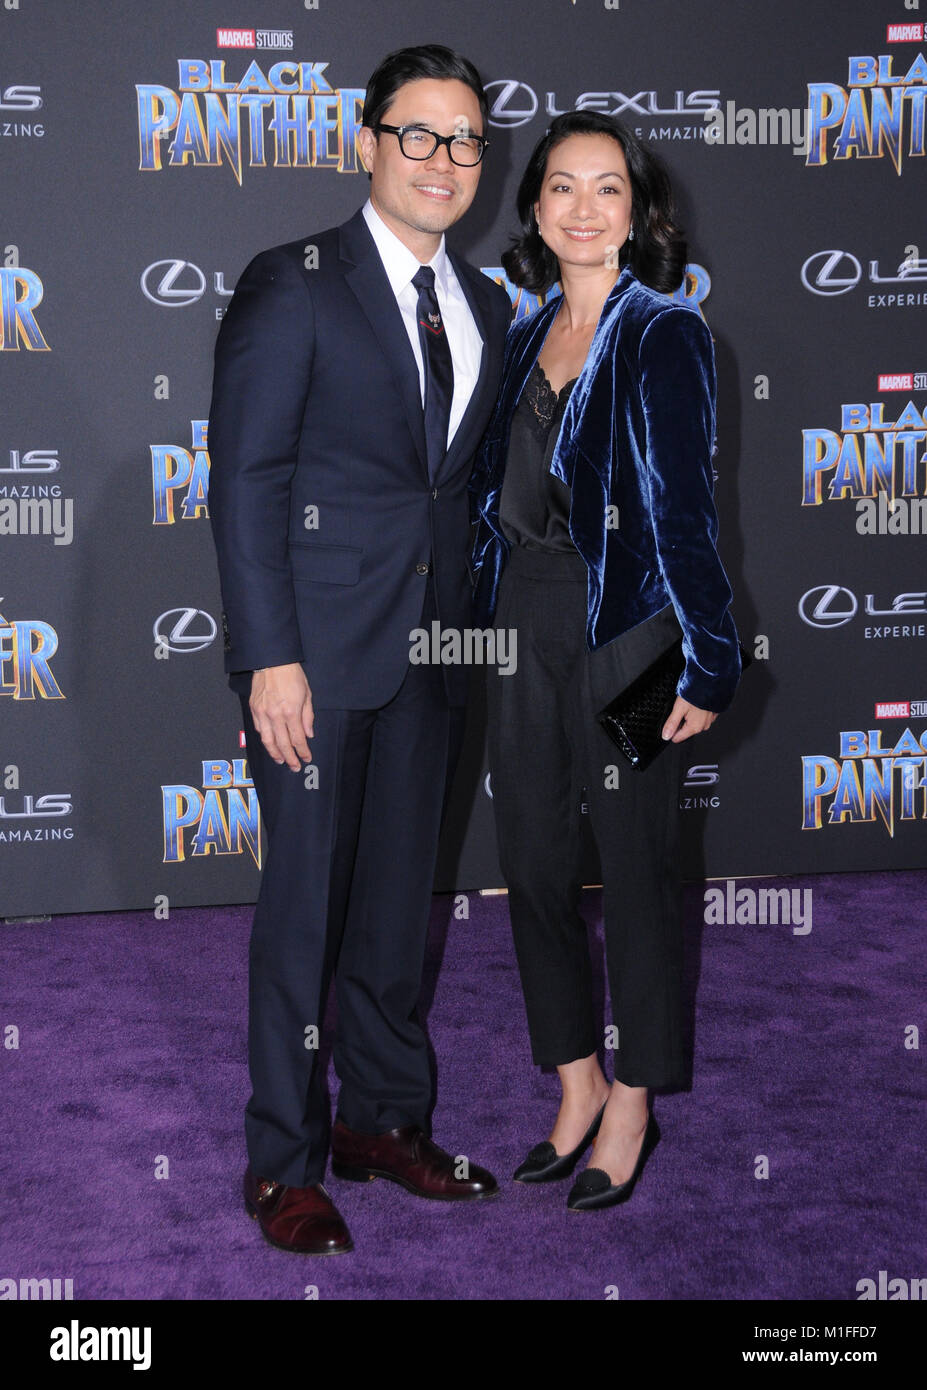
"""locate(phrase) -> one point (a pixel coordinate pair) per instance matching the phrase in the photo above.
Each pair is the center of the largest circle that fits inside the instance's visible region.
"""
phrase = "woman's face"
(584, 208)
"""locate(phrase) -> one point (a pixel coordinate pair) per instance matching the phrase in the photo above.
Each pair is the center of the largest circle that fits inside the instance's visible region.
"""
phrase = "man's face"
(420, 199)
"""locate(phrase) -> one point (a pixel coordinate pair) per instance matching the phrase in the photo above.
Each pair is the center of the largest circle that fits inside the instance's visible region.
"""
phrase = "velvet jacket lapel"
(523, 348)
(584, 443)
(476, 290)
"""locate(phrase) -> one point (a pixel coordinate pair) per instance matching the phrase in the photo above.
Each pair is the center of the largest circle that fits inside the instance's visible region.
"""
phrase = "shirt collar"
(399, 262)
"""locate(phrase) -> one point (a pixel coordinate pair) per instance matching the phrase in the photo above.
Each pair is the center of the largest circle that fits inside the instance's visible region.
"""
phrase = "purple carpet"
(131, 1059)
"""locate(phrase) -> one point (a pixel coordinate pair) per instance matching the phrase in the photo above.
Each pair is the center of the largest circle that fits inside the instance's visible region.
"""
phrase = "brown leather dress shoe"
(303, 1220)
(409, 1157)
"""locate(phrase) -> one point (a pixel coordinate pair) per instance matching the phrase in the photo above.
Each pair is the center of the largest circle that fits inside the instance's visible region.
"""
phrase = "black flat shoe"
(544, 1164)
(592, 1189)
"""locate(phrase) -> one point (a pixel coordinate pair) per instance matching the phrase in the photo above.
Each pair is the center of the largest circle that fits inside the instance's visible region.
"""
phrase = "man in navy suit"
(355, 372)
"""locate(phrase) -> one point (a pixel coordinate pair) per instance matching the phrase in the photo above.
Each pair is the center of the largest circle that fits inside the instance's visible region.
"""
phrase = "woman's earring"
(631, 234)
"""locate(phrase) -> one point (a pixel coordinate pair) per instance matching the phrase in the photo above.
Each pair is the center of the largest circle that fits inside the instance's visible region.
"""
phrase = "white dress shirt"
(463, 336)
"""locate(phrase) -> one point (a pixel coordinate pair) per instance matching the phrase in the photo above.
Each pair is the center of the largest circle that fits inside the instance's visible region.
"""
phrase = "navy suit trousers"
(346, 889)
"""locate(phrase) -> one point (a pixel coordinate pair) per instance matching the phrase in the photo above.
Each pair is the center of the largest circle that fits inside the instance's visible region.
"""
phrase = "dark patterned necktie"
(439, 371)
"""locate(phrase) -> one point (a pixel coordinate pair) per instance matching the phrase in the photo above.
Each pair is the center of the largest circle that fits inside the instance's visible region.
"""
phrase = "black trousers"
(346, 888)
(545, 746)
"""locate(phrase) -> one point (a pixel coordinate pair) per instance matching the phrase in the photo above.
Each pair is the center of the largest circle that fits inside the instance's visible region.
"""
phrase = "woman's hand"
(686, 720)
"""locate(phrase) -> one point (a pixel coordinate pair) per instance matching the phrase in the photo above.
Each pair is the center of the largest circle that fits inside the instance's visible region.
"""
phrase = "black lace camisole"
(534, 508)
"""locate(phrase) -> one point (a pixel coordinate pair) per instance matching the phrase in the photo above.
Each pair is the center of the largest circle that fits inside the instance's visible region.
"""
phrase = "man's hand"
(281, 707)
(686, 720)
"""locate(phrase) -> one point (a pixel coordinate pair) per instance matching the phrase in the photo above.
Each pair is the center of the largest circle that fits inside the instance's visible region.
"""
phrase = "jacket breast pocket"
(326, 564)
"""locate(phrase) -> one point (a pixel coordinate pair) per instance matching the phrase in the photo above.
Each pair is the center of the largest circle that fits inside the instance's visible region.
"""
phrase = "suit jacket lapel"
(462, 445)
(368, 281)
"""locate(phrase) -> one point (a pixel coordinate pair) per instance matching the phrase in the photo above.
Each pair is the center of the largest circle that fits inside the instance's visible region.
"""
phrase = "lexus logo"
(702, 775)
(828, 605)
(511, 103)
(831, 272)
(173, 284)
(21, 99)
(184, 630)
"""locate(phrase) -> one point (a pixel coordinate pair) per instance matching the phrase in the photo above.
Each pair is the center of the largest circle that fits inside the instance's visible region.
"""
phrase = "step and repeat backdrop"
(149, 151)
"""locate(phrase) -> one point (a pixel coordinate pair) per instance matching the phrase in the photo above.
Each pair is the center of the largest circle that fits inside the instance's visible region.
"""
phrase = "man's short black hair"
(412, 64)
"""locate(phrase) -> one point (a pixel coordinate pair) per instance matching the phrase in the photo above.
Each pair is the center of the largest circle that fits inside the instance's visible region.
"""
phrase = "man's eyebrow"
(423, 125)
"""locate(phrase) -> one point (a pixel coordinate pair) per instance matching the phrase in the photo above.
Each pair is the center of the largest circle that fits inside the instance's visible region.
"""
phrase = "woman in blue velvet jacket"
(595, 546)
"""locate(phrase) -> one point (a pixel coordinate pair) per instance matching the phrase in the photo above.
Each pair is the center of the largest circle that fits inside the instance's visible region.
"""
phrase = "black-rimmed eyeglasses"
(418, 143)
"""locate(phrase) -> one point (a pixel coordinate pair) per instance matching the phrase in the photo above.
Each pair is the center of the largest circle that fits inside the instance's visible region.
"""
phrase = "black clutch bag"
(634, 720)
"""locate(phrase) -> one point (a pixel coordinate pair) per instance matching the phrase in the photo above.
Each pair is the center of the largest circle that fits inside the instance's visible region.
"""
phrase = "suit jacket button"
(434, 494)
(423, 569)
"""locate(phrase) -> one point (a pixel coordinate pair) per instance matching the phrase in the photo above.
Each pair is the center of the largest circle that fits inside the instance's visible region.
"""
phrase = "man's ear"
(367, 140)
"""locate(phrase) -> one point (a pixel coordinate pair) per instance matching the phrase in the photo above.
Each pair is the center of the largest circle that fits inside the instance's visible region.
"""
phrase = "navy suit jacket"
(635, 447)
(316, 404)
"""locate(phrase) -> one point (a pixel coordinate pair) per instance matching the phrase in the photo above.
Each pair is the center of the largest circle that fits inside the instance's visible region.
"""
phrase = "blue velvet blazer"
(637, 435)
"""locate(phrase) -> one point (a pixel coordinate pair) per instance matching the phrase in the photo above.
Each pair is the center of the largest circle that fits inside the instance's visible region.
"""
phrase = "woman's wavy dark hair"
(657, 254)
